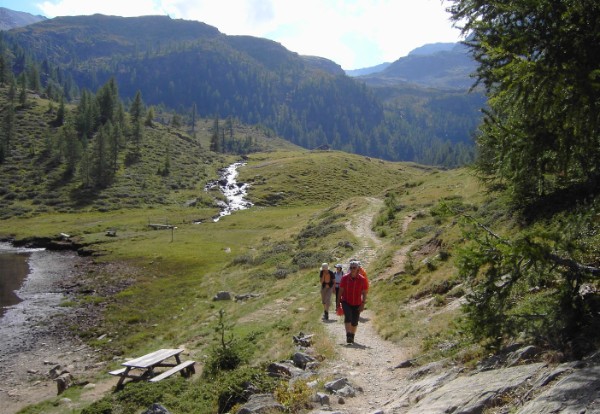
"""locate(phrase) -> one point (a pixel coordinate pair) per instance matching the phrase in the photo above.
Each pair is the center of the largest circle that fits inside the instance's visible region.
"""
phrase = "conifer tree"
(23, 90)
(540, 66)
(60, 113)
(71, 148)
(149, 117)
(7, 131)
(214, 138)
(194, 111)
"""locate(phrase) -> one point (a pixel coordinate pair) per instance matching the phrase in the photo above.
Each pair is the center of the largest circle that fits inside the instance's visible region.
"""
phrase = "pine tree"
(23, 90)
(136, 112)
(149, 117)
(71, 148)
(214, 138)
(539, 64)
(7, 131)
(60, 113)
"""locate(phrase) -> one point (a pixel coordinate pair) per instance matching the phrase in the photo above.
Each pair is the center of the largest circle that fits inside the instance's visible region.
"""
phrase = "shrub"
(227, 355)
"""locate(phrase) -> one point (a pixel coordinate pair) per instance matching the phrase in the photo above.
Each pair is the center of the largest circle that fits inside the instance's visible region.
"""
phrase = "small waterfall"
(233, 191)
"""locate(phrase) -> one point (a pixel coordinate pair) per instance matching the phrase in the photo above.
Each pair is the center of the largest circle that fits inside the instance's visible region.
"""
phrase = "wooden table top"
(152, 358)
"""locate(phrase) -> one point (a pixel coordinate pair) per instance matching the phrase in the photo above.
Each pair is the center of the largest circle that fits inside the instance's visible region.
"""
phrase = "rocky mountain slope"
(10, 19)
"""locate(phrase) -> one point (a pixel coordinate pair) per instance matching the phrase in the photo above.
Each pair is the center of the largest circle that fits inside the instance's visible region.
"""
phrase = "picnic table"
(142, 368)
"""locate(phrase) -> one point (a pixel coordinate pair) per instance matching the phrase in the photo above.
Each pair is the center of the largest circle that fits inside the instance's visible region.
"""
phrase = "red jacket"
(352, 289)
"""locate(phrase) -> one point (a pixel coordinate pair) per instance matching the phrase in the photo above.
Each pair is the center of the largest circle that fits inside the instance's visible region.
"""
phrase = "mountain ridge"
(180, 64)
(10, 19)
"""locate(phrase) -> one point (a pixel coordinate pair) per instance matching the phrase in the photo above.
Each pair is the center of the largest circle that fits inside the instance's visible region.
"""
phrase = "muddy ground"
(41, 333)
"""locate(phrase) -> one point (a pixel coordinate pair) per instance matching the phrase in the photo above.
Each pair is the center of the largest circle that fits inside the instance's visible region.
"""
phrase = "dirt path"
(368, 363)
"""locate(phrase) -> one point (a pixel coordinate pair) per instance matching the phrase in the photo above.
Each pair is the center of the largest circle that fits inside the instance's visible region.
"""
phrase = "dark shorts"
(351, 313)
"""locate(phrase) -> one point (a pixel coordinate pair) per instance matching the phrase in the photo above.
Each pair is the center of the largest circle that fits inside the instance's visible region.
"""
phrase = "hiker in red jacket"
(352, 298)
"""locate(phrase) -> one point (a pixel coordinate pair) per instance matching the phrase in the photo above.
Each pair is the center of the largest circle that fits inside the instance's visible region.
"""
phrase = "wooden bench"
(186, 368)
(118, 372)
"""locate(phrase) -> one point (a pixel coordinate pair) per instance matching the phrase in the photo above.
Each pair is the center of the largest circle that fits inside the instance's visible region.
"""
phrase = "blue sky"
(352, 33)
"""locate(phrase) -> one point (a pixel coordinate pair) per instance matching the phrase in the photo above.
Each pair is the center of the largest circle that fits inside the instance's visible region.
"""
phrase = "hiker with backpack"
(352, 299)
(327, 279)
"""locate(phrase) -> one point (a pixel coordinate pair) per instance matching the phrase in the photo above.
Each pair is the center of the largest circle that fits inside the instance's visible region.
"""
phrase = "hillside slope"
(191, 67)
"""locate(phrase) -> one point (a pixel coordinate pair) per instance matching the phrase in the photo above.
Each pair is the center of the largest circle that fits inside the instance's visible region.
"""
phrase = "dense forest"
(191, 67)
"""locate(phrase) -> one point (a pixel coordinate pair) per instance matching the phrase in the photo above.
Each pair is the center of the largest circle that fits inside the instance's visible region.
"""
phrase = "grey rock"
(54, 372)
(156, 409)
(322, 398)
(301, 359)
(431, 368)
(284, 370)
(336, 385)
(521, 355)
(346, 391)
(303, 340)
(222, 296)
(63, 382)
(473, 393)
(578, 392)
(261, 403)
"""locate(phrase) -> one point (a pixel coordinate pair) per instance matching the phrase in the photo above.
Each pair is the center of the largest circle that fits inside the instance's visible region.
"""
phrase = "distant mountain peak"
(11, 19)
(432, 48)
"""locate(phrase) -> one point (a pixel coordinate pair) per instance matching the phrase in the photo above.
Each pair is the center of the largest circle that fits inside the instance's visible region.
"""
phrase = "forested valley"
(192, 69)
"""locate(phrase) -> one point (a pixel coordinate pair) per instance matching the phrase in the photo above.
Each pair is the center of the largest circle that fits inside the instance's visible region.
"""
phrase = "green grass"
(162, 295)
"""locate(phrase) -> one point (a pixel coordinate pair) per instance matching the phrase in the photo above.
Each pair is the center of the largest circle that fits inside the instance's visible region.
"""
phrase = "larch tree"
(540, 65)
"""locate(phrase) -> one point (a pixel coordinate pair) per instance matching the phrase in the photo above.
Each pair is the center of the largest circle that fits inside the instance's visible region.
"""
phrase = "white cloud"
(353, 33)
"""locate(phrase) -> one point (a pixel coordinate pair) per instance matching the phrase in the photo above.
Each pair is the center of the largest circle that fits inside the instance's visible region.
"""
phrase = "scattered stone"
(312, 366)
(301, 359)
(336, 385)
(261, 403)
(246, 296)
(156, 409)
(65, 401)
(303, 340)
(32, 371)
(284, 370)
(222, 296)
(347, 391)
(54, 372)
(405, 364)
(322, 398)
(63, 382)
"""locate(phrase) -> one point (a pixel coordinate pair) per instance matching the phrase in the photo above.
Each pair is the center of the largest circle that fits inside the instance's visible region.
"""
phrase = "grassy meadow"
(162, 295)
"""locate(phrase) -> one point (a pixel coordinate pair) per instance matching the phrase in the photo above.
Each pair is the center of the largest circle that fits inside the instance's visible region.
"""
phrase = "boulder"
(156, 409)
(336, 385)
(261, 403)
(472, 394)
(301, 359)
(222, 296)
(63, 381)
(578, 392)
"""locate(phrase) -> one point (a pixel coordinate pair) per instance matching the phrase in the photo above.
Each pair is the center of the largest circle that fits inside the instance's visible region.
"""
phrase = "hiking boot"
(349, 339)
(325, 316)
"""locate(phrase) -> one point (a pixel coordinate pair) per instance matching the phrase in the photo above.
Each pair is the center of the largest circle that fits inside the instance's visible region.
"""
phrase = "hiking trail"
(369, 363)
